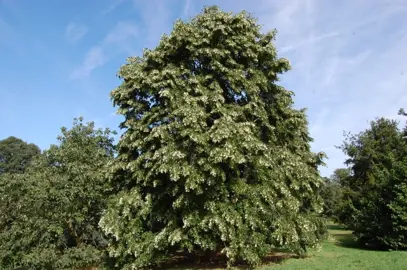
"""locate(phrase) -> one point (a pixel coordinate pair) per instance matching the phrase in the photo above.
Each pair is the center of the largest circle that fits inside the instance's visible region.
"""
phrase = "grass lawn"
(341, 252)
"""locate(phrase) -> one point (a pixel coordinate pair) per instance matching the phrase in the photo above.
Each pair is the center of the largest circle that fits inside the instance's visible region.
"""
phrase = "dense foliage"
(375, 193)
(214, 157)
(49, 215)
(16, 155)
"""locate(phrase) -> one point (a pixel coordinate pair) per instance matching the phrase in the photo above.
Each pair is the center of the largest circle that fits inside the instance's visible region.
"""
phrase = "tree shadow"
(218, 261)
(336, 227)
(344, 238)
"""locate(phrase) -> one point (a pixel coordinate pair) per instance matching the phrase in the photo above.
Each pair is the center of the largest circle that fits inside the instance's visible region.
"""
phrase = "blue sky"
(59, 59)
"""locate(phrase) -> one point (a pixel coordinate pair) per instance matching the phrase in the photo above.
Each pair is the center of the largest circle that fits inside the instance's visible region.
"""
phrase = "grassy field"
(341, 252)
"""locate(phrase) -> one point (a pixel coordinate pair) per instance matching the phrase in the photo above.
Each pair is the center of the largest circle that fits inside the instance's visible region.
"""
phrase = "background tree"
(341, 176)
(377, 189)
(50, 213)
(16, 155)
(332, 195)
(213, 157)
(335, 194)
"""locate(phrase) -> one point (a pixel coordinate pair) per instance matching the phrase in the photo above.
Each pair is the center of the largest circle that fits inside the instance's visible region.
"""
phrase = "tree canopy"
(16, 155)
(213, 157)
(49, 215)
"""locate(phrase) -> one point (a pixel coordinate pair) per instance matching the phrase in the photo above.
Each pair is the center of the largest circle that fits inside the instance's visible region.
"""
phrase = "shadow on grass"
(217, 261)
(336, 227)
(344, 238)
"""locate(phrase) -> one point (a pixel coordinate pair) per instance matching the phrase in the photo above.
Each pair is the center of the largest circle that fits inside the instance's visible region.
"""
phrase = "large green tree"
(376, 191)
(49, 215)
(213, 157)
(16, 155)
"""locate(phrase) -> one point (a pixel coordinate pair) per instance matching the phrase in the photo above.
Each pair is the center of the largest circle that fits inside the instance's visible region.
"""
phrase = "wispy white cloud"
(187, 6)
(110, 8)
(311, 40)
(348, 63)
(121, 32)
(117, 40)
(122, 36)
(93, 59)
(157, 18)
(75, 32)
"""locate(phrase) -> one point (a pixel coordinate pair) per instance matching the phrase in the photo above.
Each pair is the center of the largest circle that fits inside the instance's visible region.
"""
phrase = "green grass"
(341, 252)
